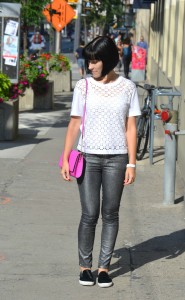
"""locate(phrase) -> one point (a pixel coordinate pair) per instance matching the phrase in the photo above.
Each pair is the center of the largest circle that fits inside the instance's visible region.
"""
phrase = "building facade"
(166, 56)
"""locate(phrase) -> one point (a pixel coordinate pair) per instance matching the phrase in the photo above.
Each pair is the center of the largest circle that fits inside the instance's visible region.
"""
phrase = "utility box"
(10, 39)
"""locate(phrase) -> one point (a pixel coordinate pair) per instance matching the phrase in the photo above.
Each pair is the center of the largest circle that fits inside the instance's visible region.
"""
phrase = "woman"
(127, 55)
(120, 51)
(108, 145)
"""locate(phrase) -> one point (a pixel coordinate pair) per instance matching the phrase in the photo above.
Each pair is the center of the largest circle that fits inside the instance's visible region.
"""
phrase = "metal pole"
(85, 30)
(1, 41)
(78, 25)
(151, 141)
(170, 160)
(57, 41)
(156, 93)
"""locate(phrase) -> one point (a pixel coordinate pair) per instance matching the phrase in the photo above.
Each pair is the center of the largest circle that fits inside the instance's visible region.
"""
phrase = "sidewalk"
(39, 215)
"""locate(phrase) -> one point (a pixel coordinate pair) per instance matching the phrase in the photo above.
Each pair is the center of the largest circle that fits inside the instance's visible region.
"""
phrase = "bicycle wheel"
(142, 136)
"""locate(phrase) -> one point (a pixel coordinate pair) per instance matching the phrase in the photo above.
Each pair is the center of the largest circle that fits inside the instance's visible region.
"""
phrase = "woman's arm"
(131, 142)
(71, 135)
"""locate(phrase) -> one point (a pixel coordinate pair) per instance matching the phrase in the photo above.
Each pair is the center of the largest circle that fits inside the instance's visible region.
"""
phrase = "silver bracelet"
(131, 166)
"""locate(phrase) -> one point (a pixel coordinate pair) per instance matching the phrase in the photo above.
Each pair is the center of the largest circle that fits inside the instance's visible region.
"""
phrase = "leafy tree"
(31, 14)
(103, 13)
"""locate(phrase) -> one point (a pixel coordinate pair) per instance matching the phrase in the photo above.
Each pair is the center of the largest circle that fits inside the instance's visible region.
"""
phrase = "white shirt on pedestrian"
(107, 107)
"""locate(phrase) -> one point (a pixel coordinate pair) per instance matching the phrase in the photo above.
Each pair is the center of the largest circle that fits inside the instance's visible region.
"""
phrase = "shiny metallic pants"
(106, 173)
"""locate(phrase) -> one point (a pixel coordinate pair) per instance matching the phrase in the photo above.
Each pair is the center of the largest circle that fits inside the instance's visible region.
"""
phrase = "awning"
(143, 4)
(149, 1)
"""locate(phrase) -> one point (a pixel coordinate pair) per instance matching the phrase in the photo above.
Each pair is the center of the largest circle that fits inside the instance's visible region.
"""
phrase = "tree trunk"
(25, 42)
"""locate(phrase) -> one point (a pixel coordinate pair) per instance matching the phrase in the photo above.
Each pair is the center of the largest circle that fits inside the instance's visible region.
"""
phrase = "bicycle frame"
(143, 124)
(149, 111)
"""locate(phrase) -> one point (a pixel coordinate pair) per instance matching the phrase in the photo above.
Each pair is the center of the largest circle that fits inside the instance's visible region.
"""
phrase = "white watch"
(131, 166)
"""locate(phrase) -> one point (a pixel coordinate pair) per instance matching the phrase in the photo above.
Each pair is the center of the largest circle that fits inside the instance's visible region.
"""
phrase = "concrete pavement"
(39, 216)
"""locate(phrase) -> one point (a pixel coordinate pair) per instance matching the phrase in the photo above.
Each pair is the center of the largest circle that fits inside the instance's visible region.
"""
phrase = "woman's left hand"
(130, 176)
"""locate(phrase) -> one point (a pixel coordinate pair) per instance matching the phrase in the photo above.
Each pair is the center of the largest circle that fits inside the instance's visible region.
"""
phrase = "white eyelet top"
(107, 107)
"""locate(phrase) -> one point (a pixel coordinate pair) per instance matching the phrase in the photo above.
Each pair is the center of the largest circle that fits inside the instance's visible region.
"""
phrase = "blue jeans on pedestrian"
(81, 63)
(104, 173)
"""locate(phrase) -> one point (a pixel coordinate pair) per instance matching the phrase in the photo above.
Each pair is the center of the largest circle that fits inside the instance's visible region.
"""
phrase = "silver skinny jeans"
(106, 172)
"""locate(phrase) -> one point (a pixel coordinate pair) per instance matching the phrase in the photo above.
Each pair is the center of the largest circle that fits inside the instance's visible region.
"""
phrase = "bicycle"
(144, 120)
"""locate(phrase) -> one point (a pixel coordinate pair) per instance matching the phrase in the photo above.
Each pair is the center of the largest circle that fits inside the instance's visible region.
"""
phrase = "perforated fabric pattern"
(107, 106)
(121, 85)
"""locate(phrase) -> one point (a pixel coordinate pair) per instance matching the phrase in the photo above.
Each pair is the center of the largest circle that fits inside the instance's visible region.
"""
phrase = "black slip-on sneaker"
(104, 280)
(86, 278)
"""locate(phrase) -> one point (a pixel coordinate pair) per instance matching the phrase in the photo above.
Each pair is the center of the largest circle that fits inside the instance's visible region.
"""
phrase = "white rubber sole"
(86, 283)
(105, 285)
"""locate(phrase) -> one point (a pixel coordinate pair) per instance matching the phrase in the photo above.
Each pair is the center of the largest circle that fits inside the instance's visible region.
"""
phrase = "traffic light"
(73, 1)
(87, 6)
(114, 25)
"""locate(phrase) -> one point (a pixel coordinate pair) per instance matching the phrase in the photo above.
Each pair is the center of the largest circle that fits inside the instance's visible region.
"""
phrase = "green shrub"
(5, 85)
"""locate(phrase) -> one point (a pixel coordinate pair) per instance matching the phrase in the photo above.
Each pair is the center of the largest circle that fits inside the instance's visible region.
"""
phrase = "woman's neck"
(110, 77)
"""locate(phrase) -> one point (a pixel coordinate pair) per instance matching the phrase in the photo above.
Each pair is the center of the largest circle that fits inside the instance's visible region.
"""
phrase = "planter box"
(45, 101)
(26, 102)
(62, 81)
(9, 119)
(31, 101)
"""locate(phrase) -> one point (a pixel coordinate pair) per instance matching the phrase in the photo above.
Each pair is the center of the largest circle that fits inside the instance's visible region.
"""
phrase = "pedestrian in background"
(109, 148)
(38, 42)
(118, 38)
(127, 56)
(111, 36)
(143, 45)
(120, 51)
(80, 59)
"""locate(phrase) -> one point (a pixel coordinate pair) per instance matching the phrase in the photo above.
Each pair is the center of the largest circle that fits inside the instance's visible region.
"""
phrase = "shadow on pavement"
(64, 98)
(166, 246)
(22, 140)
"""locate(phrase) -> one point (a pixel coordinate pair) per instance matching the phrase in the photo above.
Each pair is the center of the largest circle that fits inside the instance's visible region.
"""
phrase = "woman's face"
(96, 67)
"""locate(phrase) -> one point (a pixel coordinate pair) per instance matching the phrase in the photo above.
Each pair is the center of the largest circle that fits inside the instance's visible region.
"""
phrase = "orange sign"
(59, 13)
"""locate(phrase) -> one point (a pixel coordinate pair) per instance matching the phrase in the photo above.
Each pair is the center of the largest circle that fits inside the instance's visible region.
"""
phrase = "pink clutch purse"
(76, 161)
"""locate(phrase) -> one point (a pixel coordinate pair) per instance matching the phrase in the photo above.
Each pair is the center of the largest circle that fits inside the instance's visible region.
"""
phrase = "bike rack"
(155, 93)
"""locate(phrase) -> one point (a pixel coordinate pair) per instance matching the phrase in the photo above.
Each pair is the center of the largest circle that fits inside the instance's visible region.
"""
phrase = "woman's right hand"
(65, 171)
(71, 135)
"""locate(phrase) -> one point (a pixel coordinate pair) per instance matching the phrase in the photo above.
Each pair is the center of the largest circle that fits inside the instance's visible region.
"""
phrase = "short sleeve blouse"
(107, 107)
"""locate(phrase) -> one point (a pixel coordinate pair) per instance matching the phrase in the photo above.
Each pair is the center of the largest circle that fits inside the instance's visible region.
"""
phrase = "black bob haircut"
(101, 48)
